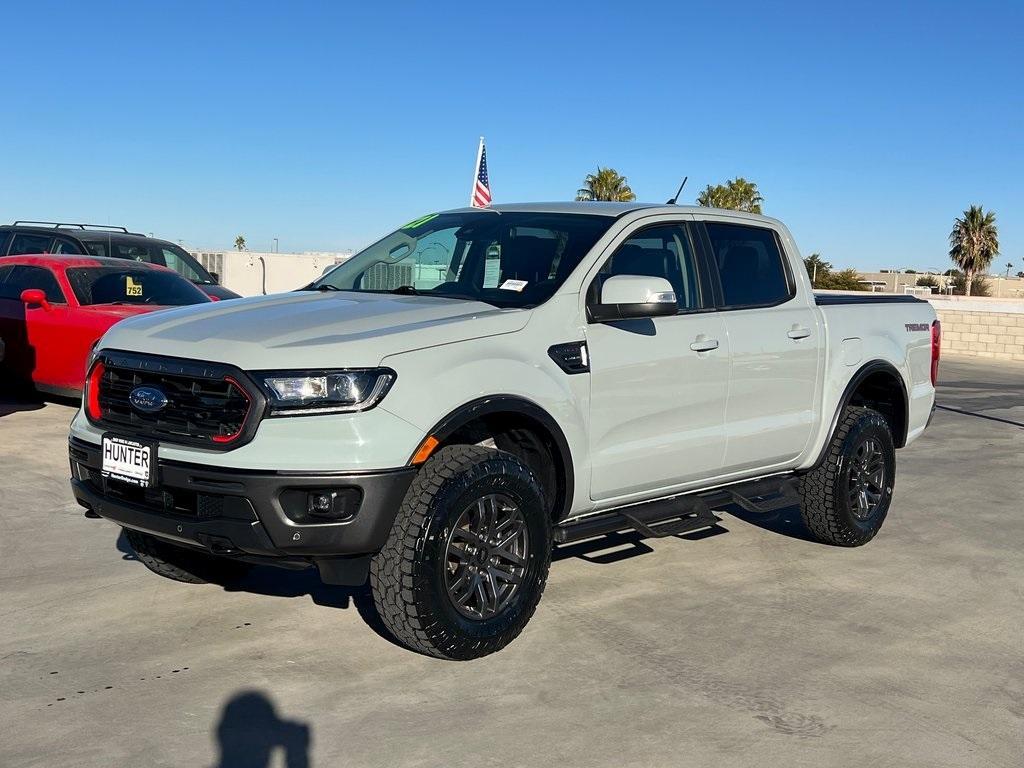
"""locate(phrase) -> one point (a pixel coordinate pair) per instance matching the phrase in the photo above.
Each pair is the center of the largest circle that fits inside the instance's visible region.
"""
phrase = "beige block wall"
(998, 335)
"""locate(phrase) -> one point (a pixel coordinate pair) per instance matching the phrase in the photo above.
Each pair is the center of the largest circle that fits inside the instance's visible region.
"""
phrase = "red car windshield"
(114, 285)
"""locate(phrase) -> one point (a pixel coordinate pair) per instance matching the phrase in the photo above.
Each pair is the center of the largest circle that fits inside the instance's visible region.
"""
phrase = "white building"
(256, 273)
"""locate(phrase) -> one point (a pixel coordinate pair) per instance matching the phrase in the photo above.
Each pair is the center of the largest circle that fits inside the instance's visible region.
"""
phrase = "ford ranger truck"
(436, 414)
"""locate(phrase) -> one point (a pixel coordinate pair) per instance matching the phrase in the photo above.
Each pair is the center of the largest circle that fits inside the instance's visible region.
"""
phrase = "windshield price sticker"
(131, 288)
(514, 285)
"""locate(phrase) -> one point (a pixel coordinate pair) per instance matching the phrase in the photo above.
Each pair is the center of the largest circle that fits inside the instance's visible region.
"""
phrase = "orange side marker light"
(426, 448)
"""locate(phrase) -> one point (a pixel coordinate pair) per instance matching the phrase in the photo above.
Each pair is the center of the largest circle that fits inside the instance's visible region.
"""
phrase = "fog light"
(321, 502)
(333, 504)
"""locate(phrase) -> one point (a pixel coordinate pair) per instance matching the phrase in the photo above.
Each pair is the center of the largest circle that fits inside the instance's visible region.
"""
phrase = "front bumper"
(236, 512)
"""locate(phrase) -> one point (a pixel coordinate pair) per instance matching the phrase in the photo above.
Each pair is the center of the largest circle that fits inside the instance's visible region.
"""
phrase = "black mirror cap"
(215, 276)
(604, 313)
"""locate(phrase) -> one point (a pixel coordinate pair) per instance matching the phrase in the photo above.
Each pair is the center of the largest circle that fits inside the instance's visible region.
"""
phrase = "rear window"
(113, 285)
(750, 265)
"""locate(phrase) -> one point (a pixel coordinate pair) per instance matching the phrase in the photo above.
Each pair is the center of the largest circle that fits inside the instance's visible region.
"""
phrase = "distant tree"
(240, 243)
(822, 276)
(1009, 266)
(1020, 274)
(980, 285)
(737, 194)
(607, 184)
(844, 280)
(974, 243)
(929, 281)
(815, 266)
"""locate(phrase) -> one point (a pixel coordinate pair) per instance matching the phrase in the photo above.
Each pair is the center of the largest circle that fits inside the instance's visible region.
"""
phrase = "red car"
(53, 309)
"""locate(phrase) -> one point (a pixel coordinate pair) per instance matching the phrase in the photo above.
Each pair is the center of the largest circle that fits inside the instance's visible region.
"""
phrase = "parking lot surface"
(752, 646)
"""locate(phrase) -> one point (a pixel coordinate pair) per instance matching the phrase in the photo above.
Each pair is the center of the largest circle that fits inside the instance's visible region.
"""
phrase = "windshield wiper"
(406, 290)
(321, 287)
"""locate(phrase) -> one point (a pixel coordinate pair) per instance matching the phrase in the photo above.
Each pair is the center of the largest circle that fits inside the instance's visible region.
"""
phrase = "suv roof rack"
(59, 224)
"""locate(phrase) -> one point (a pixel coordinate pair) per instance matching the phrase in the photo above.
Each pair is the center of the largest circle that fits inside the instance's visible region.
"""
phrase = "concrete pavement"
(752, 647)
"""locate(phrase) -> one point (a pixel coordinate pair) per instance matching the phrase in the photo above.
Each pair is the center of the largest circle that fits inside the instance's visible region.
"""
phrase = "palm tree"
(736, 194)
(606, 184)
(240, 243)
(817, 268)
(973, 243)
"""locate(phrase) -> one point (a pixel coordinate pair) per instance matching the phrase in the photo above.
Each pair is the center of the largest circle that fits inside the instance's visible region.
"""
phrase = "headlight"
(294, 393)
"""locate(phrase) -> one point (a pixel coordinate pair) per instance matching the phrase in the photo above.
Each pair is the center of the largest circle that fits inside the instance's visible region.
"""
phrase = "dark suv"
(30, 237)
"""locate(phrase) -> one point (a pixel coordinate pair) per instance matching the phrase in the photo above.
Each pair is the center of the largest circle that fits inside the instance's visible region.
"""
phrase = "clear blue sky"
(867, 127)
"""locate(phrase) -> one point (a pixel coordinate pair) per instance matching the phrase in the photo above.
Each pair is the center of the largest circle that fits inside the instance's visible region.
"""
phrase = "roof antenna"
(678, 192)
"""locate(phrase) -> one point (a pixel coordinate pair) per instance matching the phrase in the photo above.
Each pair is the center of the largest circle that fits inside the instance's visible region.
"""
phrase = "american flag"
(481, 196)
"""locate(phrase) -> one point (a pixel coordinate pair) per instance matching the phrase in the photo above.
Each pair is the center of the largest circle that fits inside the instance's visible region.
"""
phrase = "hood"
(119, 311)
(310, 330)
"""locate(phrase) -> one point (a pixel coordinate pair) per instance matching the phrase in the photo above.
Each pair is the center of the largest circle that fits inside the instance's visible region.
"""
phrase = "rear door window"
(27, 243)
(750, 265)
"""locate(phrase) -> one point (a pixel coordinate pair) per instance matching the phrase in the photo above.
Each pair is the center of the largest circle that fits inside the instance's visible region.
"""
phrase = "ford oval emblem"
(147, 399)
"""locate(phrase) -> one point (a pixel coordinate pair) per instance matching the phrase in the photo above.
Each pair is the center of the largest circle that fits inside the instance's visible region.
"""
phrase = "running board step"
(682, 514)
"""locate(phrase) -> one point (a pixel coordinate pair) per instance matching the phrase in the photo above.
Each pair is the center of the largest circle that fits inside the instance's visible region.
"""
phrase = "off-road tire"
(180, 564)
(407, 577)
(825, 496)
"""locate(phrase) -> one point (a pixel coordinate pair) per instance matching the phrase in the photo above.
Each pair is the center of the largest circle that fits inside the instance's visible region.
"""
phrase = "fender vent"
(571, 357)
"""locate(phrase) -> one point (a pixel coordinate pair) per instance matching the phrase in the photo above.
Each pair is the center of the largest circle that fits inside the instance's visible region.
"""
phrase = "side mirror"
(625, 297)
(216, 277)
(36, 296)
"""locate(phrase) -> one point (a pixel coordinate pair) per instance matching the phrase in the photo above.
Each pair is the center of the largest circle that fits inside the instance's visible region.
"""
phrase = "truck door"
(658, 385)
(774, 341)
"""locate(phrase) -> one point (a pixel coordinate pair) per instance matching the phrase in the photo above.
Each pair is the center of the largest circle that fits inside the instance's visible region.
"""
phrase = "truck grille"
(207, 405)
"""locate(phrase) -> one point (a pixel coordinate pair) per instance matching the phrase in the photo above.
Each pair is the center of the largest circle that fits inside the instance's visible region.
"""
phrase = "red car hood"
(120, 311)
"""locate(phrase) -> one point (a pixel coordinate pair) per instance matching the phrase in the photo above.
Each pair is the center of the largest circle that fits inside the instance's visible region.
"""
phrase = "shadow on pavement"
(280, 582)
(15, 401)
(16, 397)
(250, 733)
(785, 521)
(963, 412)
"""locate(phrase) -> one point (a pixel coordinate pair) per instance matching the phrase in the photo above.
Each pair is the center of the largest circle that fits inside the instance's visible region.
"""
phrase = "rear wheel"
(846, 499)
(467, 559)
(181, 564)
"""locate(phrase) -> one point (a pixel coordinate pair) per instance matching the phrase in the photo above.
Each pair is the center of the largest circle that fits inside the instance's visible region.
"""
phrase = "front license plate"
(130, 461)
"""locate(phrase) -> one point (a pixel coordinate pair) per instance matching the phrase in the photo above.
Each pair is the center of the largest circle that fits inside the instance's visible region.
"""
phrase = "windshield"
(513, 259)
(116, 285)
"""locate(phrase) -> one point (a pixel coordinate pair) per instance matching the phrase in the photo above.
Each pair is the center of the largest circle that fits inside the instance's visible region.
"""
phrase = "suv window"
(750, 265)
(16, 279)
(659, 251)
(24, 242)
(60, 245)
(182, 263)
(133, 252)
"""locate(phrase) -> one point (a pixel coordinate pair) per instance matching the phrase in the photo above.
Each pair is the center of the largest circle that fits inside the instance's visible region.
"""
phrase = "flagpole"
(476, 170)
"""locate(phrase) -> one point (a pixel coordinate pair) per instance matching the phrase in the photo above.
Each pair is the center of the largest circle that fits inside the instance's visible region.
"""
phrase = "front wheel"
(844, 501)
(468, 556)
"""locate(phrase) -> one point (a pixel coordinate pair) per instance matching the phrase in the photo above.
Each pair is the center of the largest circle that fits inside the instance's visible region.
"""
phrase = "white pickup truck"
(437, 413)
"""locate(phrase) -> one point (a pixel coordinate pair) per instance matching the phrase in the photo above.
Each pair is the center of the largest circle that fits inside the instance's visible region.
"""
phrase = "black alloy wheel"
(487, 553)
